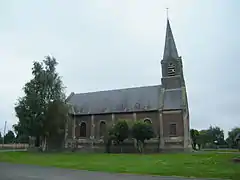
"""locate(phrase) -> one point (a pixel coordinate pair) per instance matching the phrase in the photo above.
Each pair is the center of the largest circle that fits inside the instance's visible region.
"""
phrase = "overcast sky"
(107, 44)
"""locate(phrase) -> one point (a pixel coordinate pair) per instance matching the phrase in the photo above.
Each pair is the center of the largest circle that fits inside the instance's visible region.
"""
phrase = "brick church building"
(165, 106)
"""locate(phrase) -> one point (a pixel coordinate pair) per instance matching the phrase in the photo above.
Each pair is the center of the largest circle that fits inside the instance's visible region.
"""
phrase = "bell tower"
(172, 71)
(174, 119)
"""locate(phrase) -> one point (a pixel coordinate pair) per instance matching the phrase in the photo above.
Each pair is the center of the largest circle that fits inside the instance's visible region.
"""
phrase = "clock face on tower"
(171, 69)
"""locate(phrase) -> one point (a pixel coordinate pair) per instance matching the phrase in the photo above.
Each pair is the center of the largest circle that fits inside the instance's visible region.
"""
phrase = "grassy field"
(222, 150)
(211, 165)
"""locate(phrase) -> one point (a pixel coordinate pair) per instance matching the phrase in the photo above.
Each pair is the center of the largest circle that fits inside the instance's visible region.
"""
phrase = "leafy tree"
(42, 111)
(237, 140)
(211, 137)
(238, 144)
(121, 131)
(0, 138)
(142, 131)
(109, 138)
(216, 134)
(203, 138)
(231, 137)
(55, 122)
(22, 139)
(117, 134)
(194, 136)
(9, 137)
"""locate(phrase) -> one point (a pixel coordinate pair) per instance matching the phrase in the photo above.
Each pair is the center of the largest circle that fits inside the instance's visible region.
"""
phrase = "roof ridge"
(119, 89)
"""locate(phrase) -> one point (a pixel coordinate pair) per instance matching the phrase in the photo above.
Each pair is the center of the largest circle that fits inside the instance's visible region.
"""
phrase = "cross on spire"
(167, 12)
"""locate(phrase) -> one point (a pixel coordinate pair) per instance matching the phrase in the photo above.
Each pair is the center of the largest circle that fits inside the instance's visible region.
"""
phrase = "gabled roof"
(120, 100)
(146, 98)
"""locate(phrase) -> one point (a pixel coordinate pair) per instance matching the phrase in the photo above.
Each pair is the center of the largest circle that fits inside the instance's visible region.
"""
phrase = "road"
(29, 172)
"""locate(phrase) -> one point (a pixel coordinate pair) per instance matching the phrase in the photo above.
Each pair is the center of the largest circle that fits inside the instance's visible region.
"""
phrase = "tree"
(238, 144)
(203, 138)
(42, 111)
(116, 134)
(9, 137)
(231, 137)
(211, 137)
(194, 136)
(54, 125)
(109, 138)
(142, 131)
(0, 138)
(216, 135)
(237, 140)
(22, 139)
(119, 132)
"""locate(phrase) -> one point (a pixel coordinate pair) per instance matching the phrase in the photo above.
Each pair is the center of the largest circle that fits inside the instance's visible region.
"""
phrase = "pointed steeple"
(170, 50)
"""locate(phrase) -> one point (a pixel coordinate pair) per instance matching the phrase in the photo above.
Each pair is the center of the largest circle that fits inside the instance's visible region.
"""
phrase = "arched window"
(148, 121)
(83, 129)
(102, 128)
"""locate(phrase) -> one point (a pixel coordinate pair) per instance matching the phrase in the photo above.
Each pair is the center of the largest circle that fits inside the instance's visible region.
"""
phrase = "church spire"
(170, 50)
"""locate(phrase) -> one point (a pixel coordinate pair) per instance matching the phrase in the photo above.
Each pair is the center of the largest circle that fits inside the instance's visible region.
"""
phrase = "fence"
(14, 146)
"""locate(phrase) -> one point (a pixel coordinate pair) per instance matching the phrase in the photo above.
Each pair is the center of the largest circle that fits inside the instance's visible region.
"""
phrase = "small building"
(165, 105)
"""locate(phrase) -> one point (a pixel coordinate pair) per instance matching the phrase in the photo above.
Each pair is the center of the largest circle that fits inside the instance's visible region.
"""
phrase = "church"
(165, 106)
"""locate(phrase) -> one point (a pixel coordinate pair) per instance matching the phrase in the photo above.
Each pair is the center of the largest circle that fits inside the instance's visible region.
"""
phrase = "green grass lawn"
(211, 165)
(222, 150)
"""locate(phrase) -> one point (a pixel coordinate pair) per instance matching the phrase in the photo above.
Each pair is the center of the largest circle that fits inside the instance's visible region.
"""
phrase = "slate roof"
(172, 99)
(119, 100)
(146, 98)
(170, 49)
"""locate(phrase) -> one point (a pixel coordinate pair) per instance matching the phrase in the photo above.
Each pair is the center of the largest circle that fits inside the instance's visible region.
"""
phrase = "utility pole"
(4, 131)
